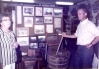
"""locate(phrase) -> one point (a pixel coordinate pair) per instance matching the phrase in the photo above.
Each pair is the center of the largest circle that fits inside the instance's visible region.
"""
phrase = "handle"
(59, 45)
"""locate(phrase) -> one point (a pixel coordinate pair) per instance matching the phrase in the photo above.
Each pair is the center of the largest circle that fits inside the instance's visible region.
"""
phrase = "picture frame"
(48, 20)
(14, 21)
(32, 39)
(28, 11)
(39, 20)
(23, 41)
(41, 45)
(57, 22)
(41, 38)
(22, 31)
(38, 11)
(19, 14)
(49, 28)
(47, 11)
(33, 45)
(39, 29)
(58, 12)
(28, 21)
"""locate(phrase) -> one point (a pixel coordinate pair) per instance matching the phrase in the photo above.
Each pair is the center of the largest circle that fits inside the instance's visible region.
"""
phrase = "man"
(7, 43)
(87, 35)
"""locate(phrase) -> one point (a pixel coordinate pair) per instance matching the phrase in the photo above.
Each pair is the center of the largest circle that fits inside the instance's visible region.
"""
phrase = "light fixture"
(5, 0)
(64, 3)
(26, 1)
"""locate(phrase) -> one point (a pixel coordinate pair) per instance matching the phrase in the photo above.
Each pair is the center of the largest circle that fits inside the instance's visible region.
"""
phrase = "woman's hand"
(15, 45)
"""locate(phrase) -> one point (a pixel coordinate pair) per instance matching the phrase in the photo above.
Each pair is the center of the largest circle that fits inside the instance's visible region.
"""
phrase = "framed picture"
(47, 11)
(48, 20)
(58, 12)
(28, 21)
(41, 45)
(23, 41)
(32, 39)
(41, 38)
(59, 31)
(22, 31)
(14, 21)
(38, 11)
(28, 11)
(19, 14)
(57, 22)
(49, 28)
(33, 45)
(39, 29)
(39, 20)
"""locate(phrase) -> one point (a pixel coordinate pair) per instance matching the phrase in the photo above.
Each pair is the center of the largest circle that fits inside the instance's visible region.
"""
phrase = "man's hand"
(15, 45)
(64, 34)
(89, 45)
(68, 36)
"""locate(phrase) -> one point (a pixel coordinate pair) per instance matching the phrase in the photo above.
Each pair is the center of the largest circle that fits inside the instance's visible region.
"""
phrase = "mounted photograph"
(41, 45)
(23, 41)
(39, 29)
(58, 12)
(49, 28)
(39, 20)
(41, 38)
(47, 11)
(22, 31)
(38, 11)
(48, 20)
(28, 11)
(32, 39)
(28, 21)
(57, 22)
(33, 45)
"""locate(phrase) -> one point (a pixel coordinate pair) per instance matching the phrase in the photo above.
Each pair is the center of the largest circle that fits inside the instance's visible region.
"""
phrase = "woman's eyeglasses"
(6, 20)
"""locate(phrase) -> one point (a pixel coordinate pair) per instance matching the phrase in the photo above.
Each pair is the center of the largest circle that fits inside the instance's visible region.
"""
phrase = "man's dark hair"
(4, 15)
(84, 8)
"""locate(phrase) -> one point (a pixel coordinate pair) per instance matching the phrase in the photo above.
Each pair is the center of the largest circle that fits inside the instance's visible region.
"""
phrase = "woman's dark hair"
(4, 15)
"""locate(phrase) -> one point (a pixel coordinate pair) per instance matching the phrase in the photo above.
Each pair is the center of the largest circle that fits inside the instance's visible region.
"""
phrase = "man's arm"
(96, 39)
(68, 36)
(95, 31)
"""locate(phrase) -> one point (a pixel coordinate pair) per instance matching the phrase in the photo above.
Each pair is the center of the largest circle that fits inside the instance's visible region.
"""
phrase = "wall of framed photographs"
(32, 22)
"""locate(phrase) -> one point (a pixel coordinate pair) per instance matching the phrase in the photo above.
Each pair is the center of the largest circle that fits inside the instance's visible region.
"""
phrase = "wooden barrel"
(59, 61)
